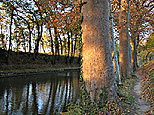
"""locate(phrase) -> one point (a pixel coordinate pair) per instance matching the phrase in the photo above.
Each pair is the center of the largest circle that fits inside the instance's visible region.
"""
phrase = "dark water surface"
(38, 94)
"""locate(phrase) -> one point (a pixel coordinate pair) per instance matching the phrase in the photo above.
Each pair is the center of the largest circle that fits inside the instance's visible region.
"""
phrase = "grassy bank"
(147, 74)
(11, 73)
(20, 62)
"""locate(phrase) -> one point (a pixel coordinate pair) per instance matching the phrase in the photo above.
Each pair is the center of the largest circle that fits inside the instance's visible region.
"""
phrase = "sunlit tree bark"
(96, 52)
(123, 46)
(128, 37)
(134, 51)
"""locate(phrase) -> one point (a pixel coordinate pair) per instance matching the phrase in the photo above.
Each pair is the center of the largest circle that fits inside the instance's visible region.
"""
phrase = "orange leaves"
(139, 17)
(61, 13)
(148, 83)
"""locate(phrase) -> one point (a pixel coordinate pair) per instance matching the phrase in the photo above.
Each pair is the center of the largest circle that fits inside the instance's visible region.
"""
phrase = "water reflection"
(38, 94)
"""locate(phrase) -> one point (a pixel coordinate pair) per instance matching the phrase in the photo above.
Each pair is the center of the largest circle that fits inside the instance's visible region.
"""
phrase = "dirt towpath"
(140, 105)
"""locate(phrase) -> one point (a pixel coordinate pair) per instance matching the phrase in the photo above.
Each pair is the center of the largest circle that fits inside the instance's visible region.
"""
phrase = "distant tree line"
(49, 27)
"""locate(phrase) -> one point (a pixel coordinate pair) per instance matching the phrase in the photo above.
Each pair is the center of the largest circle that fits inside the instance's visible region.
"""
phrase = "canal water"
(41, 94)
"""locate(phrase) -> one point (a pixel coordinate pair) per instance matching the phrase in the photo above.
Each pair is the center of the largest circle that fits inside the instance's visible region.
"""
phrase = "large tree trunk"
(129, 46)
(123, 48)
(134, 56)
(96, 52)
(134, 51)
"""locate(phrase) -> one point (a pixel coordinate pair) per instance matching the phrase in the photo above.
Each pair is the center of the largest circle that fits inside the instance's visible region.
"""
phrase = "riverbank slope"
(28, 63)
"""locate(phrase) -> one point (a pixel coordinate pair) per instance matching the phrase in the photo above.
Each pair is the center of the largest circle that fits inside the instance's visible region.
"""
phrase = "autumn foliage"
(37, 26)
(147, 72)
(53, 27)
